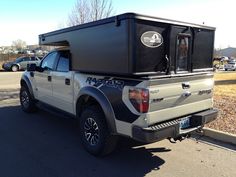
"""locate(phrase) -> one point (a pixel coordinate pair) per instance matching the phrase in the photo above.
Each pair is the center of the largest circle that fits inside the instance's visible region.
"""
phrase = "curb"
(219, 135)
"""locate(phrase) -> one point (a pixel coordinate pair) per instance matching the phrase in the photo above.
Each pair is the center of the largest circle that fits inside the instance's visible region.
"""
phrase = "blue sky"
(26, 19)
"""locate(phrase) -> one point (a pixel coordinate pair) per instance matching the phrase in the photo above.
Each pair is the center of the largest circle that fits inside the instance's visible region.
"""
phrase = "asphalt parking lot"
(47, 145)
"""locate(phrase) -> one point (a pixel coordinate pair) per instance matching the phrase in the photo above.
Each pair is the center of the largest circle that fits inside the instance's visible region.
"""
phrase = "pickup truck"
(131, 75)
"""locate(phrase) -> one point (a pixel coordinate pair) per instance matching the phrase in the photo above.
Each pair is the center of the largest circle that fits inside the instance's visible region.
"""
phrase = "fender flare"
(103, 102)
(25, 79)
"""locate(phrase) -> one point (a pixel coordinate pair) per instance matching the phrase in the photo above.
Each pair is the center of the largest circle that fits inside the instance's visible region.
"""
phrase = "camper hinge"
(117, 21)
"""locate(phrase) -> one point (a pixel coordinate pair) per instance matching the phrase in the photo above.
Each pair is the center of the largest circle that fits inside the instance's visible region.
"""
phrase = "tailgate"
(179, 96)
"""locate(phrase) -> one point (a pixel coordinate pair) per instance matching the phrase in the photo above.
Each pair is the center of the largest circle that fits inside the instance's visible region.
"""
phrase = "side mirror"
(31, 67)
(34, 67)
(39, 69)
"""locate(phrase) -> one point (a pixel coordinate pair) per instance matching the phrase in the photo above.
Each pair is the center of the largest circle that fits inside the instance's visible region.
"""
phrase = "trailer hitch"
(180, 138)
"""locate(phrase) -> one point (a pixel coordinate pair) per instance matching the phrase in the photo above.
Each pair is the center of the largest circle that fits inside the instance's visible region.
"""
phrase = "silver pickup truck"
(130, 75)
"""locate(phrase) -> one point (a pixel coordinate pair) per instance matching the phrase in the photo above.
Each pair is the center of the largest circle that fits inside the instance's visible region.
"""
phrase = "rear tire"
(94, 132)
(15, 68)
(27, 101)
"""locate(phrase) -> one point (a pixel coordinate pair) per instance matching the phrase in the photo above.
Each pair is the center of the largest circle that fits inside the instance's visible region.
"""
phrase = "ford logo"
(151, 39)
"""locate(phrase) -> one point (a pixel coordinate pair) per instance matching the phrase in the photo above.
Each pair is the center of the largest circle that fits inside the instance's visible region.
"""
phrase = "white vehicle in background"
(230, 66)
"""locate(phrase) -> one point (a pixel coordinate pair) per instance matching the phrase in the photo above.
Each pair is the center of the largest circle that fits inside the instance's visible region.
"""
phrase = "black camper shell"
(133, 44)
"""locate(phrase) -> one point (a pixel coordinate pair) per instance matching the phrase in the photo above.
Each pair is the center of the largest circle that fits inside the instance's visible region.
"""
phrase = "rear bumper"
(171, 129)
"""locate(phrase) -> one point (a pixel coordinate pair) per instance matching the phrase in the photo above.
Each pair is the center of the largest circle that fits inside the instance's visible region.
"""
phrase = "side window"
(183, 45)
(26, 59)
(48, 62)
(63, 63)
(33, 59)
(18, 60)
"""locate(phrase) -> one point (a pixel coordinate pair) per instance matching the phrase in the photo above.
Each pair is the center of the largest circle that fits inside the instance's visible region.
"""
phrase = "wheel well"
(15, 65)
(23, 83)
(92, 96)
(83, 102)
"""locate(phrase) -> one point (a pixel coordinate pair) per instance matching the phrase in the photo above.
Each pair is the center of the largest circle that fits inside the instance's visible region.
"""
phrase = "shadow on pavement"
(45, 144)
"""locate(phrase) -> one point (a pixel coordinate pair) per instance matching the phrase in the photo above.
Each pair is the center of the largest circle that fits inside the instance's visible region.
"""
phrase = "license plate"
(184, 123)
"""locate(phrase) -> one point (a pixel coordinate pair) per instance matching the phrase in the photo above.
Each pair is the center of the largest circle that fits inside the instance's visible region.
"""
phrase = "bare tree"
(89, 10)
(19, 44)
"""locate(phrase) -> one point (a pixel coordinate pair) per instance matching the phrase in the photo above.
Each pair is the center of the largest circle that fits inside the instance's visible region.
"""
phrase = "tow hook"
(180, 138)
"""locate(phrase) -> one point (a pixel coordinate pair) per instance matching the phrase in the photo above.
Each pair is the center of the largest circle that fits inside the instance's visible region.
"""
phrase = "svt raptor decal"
(105, 82)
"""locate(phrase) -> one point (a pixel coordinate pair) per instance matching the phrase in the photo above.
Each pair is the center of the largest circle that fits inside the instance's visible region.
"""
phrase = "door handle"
(67, 81)
(49, 78)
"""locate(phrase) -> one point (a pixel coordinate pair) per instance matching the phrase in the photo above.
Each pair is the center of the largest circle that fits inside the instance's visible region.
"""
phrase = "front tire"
(94, 132)
(27, 101)
(15, 68)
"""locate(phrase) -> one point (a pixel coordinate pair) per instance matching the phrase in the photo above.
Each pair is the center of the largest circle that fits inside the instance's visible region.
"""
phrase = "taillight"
(139, 98)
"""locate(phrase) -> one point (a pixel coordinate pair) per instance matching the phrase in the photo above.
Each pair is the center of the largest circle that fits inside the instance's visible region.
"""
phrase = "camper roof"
(116, 20)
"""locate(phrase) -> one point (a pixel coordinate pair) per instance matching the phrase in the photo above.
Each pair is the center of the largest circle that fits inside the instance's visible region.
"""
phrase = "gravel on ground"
(226, 120)
(225, 101)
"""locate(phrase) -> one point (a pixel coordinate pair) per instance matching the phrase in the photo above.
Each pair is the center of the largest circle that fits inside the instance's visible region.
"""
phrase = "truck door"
(43, 78)
(62, 83)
